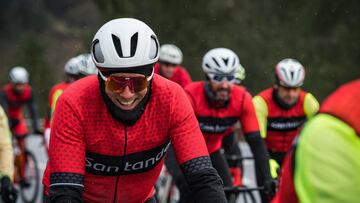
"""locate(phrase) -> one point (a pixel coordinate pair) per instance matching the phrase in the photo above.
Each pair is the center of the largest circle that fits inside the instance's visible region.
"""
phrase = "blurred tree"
(323, 35)
(31, 56)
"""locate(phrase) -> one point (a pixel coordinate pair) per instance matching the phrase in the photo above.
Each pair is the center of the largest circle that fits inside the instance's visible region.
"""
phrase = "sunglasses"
(221, 78)
(118, 83)
(167, 64)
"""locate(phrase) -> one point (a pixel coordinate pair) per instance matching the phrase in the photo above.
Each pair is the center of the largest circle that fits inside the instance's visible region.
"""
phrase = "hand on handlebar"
(38, 132)
(270, 188)
(8, 191)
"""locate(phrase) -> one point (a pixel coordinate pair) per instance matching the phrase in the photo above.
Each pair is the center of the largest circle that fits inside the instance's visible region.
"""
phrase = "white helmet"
(289, 73)
(19, 74)
(124, 43)
(86, 65)
(71, 66)
(220, 61)
(171, 54)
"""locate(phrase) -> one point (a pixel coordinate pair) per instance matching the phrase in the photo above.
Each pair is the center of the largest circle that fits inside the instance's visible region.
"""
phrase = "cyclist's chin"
(127, 105)
(223, 95)
(290, 101)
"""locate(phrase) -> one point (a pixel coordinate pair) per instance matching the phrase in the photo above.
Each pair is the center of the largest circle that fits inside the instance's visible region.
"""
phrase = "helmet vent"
(154, 47)
(134, 42)
(226, 61)
(117, 45)
(215, 61)
(207, 65)
(97, 53)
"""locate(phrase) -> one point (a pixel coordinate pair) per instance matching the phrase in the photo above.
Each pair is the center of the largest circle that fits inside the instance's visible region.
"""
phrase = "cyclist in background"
(230, 143)
(282, 109)
(7, 190)
(110, 132)
(75, 68)
(86, 65)
(218, 105)
(169, 65)
(17, 94)
(324, 164)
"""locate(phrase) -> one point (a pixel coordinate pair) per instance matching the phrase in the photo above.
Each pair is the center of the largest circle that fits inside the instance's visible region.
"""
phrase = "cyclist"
(282, 109)
(15, 96)
(86, 65)
(75, 68)
(218, 105)
(324, 164)
(111, 132)
(169, 65)
(230, 142)
(7, 190)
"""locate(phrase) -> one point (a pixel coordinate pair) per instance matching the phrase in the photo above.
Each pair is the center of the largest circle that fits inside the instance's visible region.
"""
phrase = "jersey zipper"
(118, 177)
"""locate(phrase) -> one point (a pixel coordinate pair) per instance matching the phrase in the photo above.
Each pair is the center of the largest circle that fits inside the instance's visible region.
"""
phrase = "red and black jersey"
(15, 103)
(282, 124)
(215, 123)
(181, 76)
(111, 161)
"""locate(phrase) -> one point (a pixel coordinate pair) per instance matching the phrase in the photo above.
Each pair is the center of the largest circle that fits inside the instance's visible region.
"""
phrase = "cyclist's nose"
(225, 85)
(127, 93)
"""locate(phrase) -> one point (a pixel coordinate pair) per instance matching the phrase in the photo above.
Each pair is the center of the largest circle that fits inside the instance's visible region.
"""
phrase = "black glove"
(14, 123)
(8, 191)
(270, 188)
(38, 132)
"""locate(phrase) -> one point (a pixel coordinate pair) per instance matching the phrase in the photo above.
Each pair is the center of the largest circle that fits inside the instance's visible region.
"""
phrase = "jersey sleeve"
(327, 162)
(186, 137)
(311, 105)
(6, 152)
(261, 114)
(67, 146)
(249, 122)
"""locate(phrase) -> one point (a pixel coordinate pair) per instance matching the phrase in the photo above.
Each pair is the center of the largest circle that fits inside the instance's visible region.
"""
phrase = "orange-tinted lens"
(118, 83)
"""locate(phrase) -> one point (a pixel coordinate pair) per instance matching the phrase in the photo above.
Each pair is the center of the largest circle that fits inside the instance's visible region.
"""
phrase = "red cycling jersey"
(113, 162)
(54, 94)
(16, 103)
(282, 124)
(215, 123)
(181, 76)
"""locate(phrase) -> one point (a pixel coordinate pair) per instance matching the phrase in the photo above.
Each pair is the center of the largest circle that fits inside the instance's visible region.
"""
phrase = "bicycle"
(30, 190)
(243, 193)
(241, 159)
(165, 188)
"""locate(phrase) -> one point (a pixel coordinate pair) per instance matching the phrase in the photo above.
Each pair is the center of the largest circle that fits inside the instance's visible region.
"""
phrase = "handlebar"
(242, 189)
(238, 158)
